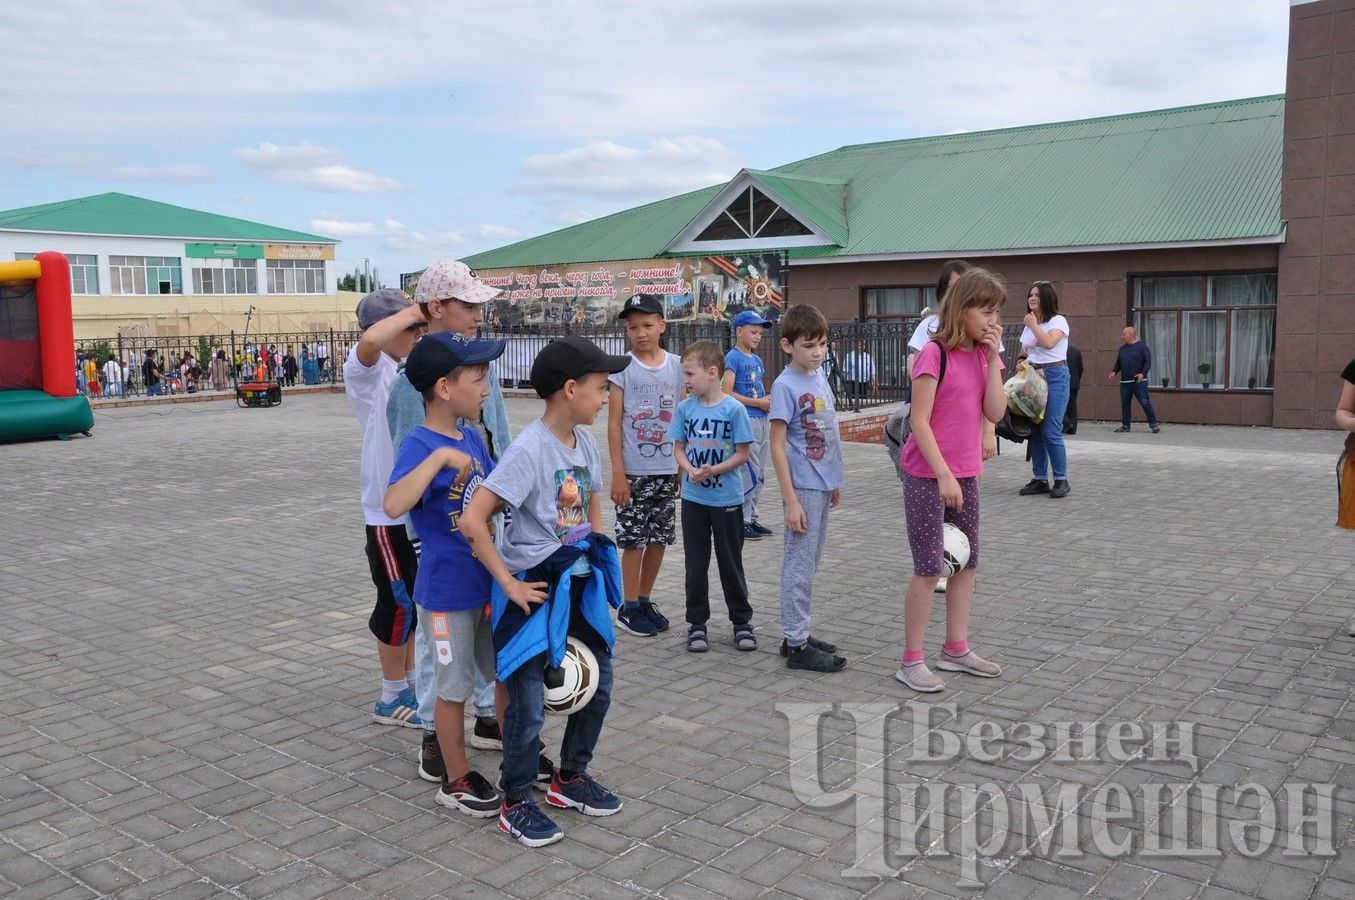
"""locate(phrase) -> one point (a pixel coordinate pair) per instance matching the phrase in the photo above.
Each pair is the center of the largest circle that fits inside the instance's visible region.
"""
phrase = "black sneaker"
(750, 533)
(470, 794)
(813, 659)
(761, 529)
(813, 642)
(1121, 430)
(1034, 486)
(1061, 489)
(636, 621)
(652, 613)
(431, 766)
(545, 771)
(487, 735)
(1154, 429)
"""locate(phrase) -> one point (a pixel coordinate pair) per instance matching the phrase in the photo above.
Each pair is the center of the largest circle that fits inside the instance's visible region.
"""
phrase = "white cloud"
(313, 166)
(609, 170)
(103, 167)
(401, 237)
(341, 228)
(499, 232)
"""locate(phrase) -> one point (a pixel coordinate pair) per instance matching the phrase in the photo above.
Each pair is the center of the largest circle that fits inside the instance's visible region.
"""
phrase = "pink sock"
(913, 657)
(956, 648)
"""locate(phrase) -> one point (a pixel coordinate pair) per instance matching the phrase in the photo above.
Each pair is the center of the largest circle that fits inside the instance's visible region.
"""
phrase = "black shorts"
(394, 563)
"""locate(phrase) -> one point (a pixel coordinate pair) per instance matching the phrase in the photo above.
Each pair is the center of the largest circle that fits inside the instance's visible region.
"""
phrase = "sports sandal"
(696, 639)
(744, 638)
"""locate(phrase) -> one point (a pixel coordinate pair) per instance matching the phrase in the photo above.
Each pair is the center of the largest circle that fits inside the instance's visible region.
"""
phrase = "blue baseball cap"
(437, 354)
(748, 317)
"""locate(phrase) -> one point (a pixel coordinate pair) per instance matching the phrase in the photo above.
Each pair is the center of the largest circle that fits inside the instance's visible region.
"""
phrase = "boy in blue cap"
(745, 381)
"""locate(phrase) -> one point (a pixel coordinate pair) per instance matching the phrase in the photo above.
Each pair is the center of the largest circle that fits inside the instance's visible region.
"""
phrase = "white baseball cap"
(451, 278)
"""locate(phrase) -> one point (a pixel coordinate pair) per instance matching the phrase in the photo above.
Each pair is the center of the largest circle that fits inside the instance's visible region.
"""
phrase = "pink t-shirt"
(957, 415)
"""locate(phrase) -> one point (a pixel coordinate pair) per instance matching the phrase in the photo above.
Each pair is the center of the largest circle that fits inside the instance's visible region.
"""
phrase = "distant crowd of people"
(161, 373)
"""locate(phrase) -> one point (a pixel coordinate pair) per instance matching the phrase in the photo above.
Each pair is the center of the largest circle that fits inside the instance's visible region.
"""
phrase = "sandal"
(696, 639)
(744, 638)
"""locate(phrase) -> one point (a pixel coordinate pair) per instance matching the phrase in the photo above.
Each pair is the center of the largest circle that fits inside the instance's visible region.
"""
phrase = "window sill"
(1199, 390)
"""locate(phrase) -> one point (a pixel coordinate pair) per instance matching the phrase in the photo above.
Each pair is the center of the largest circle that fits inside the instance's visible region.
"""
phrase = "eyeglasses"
(647, 451)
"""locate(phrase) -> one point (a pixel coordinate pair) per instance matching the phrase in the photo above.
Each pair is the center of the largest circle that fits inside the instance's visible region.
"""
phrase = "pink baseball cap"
(451, 278)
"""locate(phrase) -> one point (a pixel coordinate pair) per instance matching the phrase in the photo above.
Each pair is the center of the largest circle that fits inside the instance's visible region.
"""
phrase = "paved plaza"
(188, 678)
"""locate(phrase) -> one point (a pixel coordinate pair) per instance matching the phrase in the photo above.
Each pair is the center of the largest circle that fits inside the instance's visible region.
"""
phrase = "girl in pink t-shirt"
(942, 461)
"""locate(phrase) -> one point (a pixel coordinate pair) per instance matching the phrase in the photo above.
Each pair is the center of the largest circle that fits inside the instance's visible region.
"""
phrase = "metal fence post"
(235, 368)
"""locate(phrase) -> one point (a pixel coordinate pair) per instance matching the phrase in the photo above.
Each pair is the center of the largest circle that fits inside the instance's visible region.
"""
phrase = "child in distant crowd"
(807, 454)
(390, 325)
(556, 575)
(644, 396)
(744, 380)
(942, 461)
(711, 440)
(439, 465)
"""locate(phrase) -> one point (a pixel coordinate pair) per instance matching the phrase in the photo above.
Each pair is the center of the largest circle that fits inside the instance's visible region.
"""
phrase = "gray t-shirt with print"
(549, 487)
(813, 447)
(650, 398)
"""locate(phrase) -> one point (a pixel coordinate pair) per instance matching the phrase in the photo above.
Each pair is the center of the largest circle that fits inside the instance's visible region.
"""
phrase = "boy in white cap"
(390, 326)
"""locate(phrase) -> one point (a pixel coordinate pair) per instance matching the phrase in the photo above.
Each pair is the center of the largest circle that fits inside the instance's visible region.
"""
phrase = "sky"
(414, 131)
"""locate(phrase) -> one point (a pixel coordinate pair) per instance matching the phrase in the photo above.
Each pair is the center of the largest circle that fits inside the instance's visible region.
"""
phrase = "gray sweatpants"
(754, 467)
(801, 561)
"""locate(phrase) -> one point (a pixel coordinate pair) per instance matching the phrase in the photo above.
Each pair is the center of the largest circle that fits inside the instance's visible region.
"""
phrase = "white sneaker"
(940, 585)
(919, 678)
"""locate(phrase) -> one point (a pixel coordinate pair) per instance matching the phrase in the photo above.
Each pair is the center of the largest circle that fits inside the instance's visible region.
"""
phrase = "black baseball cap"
(435, 355)
(642, 303)
(570, 357)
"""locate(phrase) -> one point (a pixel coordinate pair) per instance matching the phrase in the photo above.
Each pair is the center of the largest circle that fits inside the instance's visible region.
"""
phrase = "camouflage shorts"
(650, 517)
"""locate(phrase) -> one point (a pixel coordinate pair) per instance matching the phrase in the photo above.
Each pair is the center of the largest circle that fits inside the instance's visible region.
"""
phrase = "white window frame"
(686, 241)
(296, 276)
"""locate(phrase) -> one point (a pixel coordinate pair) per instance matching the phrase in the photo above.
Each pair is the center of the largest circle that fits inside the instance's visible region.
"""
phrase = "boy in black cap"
(555, 574)
(390, 325)
(437, 470)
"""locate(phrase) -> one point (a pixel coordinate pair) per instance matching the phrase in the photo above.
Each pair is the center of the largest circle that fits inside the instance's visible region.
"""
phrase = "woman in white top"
(1045, 340)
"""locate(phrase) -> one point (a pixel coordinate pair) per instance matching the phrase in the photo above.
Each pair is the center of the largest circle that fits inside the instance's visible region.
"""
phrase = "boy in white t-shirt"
(390, 327)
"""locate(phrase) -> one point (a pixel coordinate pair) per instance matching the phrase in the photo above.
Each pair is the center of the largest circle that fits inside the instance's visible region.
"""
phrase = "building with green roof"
(139, 266)
(1221, 231)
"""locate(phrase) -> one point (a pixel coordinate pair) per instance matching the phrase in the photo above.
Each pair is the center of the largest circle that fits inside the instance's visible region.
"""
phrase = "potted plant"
(1251, 383)
(1166, 381)
(1204, 369)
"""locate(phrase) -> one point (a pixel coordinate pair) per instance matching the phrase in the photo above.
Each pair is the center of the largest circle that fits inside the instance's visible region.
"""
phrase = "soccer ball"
(581, 679)
(955, 553)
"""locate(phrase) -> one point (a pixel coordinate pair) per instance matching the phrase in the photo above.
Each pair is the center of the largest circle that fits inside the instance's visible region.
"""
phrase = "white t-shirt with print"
(368, 390)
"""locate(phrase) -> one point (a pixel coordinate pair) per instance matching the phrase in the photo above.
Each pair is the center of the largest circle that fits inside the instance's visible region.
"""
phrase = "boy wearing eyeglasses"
(644, 472)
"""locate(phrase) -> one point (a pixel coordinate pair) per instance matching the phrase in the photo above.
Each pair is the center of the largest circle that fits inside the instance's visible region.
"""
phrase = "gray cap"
(379, 304)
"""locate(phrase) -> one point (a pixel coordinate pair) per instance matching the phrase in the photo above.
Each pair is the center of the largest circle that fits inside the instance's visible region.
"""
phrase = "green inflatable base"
(36, 414)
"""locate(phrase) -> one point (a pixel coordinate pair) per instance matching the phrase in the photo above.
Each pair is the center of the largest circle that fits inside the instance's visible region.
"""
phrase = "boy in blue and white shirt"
(711, 440)
(745, 381)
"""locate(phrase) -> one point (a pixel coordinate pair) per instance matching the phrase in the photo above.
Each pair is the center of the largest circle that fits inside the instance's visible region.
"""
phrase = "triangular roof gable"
(816, 203)
(125, 214)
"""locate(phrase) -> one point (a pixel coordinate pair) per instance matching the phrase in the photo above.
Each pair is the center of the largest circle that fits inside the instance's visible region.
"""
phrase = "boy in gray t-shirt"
(807, 456)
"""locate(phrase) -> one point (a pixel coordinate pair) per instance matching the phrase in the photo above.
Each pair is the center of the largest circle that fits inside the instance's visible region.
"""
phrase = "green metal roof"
(115, 213)
(1195, 173)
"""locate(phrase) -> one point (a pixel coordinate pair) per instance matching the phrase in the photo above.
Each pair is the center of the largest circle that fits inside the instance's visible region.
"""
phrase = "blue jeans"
(1046, 444)
(155, 390)
(1139, 389)
(527, 713)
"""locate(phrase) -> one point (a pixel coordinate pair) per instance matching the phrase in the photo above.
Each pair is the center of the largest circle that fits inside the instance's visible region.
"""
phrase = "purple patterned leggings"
(926, 515)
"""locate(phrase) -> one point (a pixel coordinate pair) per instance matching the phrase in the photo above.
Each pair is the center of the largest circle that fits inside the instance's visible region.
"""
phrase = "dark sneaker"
(584, 794)
(750, 533)
(696, 639)
(431, 766)
(545, 771)
(813, 642)
(525, 821)
(487, 735)
(761, 529)
(813, 659)
(636, 621)
(1034, 486)
(744, 638)
(1061, 489)
(1121, 430)
(470, 794)
(652, 613)
(1155, 429)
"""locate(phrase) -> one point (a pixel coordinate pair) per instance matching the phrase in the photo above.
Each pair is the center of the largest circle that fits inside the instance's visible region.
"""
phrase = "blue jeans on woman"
(1046, 443)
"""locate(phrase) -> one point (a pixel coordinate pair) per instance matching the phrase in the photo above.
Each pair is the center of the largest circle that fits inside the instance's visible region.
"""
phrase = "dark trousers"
(1070, 414)
(1132, 389)
(699, 524)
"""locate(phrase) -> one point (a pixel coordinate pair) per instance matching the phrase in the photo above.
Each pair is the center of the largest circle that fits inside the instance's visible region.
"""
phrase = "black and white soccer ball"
(955, 555)
(580, 668)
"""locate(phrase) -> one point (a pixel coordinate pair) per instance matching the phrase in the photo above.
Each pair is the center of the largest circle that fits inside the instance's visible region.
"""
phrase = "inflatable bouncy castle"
(37, 351)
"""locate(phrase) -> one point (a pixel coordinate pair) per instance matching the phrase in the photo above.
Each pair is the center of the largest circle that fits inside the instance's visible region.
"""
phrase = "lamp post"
(249, 313)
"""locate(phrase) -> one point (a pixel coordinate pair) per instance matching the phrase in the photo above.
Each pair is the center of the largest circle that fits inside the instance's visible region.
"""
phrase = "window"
(296, 276)
(1214, 331)
(753, 214)
(84, 271)
(146, 274)
(896, 302)
(225, 276)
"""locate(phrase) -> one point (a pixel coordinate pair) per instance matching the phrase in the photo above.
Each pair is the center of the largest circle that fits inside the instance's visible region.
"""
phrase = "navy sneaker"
(652, 613)
(525, 821)
(584, 794)
(431, 766)
(761, 529)
(750, 533)
(636, 621)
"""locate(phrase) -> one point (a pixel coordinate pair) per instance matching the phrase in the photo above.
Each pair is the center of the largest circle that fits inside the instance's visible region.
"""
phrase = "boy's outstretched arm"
(375, 339)
(404, 495)
(475, 526)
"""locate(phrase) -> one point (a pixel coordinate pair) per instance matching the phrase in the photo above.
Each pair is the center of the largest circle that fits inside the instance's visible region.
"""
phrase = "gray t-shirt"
(813, 448)
(651, 396)
(549, 487)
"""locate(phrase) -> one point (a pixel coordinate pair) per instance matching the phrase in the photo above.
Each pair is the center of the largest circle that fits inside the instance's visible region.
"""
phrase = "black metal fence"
(866, 363)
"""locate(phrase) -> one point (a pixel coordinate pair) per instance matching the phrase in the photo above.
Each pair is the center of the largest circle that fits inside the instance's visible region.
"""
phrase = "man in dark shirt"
(1074, 381)
(150, 373)
(1131, 368)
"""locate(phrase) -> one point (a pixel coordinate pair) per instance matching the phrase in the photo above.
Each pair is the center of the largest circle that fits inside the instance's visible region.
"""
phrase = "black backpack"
(900, 425)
